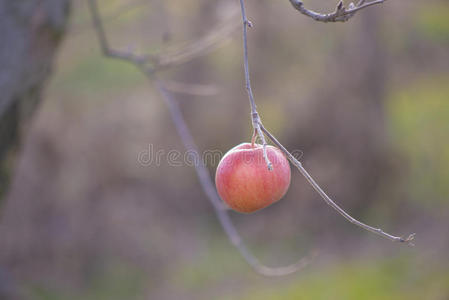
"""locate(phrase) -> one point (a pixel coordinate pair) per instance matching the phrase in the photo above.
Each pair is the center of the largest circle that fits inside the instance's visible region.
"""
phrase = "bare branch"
(201, 171)
(208, 187)
(341, 13)
(152, 63)
(200, 47)
(123, 9)
(254, 113)
(191, 88)
(329, 201)
(102, 38)
(206, 182)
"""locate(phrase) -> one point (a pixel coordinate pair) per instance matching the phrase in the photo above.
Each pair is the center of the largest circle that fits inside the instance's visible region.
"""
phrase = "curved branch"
(254, 114)
(188, 142)
(187, 139)
(104, 43)
(209, 189)
(194, 89)
(329, 201)
(341, 13)
(152, 63)
(199, 47)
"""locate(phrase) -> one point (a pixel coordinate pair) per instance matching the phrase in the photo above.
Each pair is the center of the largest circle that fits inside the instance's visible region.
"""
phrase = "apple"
(244, 182)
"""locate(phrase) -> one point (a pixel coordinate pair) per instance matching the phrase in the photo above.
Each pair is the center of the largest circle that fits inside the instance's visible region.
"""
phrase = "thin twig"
(208, 187)
(202, 46)
(152, 63)
(201, 171)
(194, 89)
(341, 13)
(329, 201)
(102, 38)
(125, 8)
(254, 114)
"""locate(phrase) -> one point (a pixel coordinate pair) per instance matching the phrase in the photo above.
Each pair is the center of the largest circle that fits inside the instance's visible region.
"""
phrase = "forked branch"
(152, 63)
(260, 128)
(188, 142)
(340, 14)
(138, 60)
(209, 189)
(328, 200)
(254, 114)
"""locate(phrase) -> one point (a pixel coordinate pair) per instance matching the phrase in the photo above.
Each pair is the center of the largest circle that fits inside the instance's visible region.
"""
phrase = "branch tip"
(409, 239)
(219, 206)
(327, 199)
(296, 3)
(341, 13)
(187, 139)
(340, 5)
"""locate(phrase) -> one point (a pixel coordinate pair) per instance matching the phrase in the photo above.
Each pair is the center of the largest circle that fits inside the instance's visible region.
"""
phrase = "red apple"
(244, 182)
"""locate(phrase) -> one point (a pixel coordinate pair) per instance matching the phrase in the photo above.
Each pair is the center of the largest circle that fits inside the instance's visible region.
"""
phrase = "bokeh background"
(366, 101)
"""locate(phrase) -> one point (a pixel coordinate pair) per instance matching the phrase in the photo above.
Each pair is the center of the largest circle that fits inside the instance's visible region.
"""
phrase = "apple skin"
(244, 182)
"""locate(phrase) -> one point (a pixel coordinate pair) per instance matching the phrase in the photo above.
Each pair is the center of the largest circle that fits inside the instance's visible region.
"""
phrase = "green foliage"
(385, 279)
(419, 119)
(391, 278)
(94, 74)
(433, 21)
(210, 268)
(118, 283)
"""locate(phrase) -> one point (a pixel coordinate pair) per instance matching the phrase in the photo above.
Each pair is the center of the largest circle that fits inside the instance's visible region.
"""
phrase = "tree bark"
(30, 32)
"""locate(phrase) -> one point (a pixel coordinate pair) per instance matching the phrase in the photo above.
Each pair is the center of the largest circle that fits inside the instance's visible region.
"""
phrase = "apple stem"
(254, 114)
(253, 139)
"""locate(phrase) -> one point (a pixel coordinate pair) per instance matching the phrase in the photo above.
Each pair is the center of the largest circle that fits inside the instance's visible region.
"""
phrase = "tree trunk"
(30, 33)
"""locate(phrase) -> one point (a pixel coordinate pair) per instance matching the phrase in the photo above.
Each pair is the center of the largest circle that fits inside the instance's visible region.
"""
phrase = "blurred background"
(367, 102)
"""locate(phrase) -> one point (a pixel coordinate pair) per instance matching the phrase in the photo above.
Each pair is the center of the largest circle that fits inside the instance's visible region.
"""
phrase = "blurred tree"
(31, 32)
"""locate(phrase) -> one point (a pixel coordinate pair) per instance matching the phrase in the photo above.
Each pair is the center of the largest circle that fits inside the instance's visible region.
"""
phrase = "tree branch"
(328, 200)
(202, 46)
(206, 182)
(188, 142)
(152, 63)
(209, 189)
(137, 60)
(341, 13)
(254, 114)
